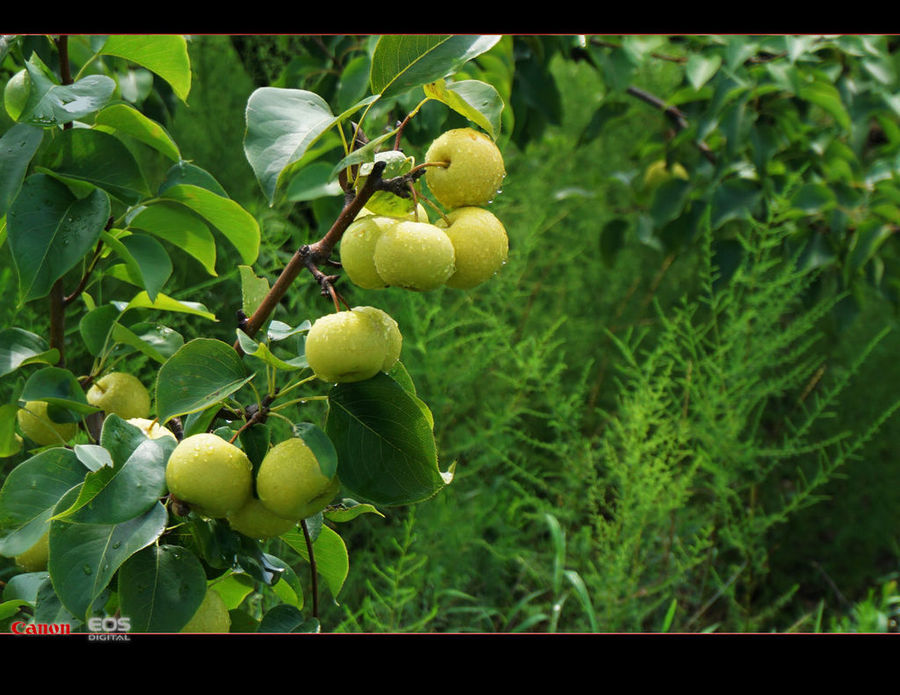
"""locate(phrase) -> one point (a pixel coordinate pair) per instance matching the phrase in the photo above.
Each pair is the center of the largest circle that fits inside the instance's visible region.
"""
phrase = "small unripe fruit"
(39, 428)
(35, 558)
(211, 616)
(290, 482)
(213, 476)
(15, 94)
(392, 337)
(254, 520)
(120, 393)
(151, 428)
(414, 255)
(480, 244)
(658, 173)
(475, 168)
(345, 346)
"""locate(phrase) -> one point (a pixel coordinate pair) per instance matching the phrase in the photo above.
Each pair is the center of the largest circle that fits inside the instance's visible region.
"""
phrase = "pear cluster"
(216, 479)
(462, 249)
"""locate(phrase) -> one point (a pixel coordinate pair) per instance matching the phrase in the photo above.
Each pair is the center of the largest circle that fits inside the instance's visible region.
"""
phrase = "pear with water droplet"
(471, 170)
(414, 255)
(480, 244)
(346, 346)
(290, 482)
(210, 474)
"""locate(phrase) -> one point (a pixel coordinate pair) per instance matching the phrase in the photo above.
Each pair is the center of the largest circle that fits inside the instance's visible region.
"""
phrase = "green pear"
(345, 346)
(36, 424)
(392, 336)
(414, 255)
(480, 245)
(290, 482)
(35, 558)
(211, 616)
(472, 170)
(212, 475)
(120, 393)
(254, 520)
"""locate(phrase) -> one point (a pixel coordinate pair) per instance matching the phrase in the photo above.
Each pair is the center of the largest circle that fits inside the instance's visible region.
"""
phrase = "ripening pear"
(212, 475)
(474, 168)
(36, 424)
(35, 558)
(658, 173)
(480, 244)
(290, 482)
(414, 255)
(211, 616)
(254, 520)
(120, 393)
(346, 346)
(358, 250)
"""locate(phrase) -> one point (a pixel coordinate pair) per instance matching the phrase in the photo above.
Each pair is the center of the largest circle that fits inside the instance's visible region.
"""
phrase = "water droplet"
(116, 544)
(87, 569)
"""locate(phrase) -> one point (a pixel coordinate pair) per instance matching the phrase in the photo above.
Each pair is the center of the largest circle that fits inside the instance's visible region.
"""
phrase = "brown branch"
(673, 113)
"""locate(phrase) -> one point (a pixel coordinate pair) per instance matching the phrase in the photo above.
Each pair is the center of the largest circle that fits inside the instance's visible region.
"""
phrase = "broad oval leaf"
(401, 62)
(161, 587)
(97, 158)
(126, 119)
(330, 552)
(147, 263)
(30, 492)
(17, 147)
(199, 375)
(166, 55)
(180, 227)
(477, 101)
(384, 440)
(19, 347)
(233, 221)
(85, 557)
(51, 104)
(50, 230)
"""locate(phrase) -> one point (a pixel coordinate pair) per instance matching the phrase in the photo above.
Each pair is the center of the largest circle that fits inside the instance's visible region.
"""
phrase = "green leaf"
(50, 231)
(30, 492)
(181, 228)
(123, 118)
(612, 238)
(111, 495)
(828, 98)
(57, 386)
(385, 444)
(330, 551)
(812, 198)
(95, 326)
(165, 303)
(321, 446)
(282, 618)
(475, 100)
(867, 241)
(199, 375)
(97, 158)
(668, 200)
(51, 104)
(262, 352)
(402, 61)
(233, 221)
(253, 290)
(17, 147)
(166, 55)
(85, 557)
(156, 341)
(281, 126)
(19, 347)
(9, 444)
(148, 265)
(732, 200)
(700, 69)
(186, 172)
(348, 510)
(161, 587)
